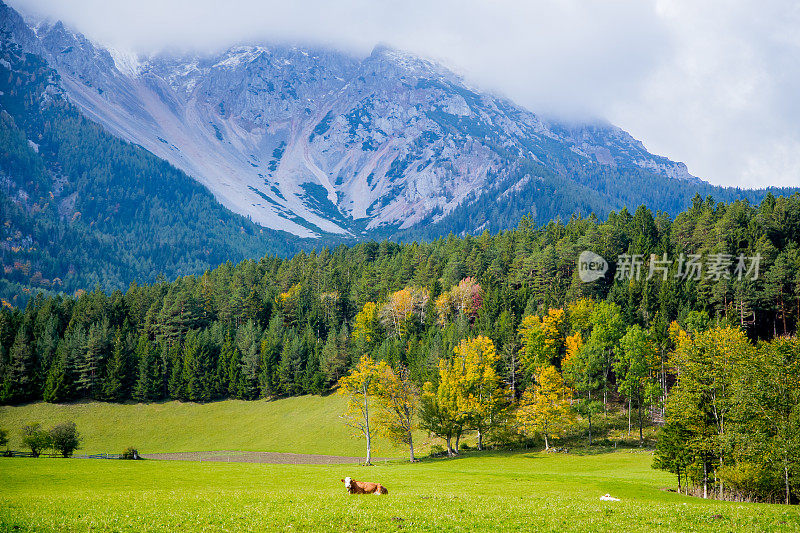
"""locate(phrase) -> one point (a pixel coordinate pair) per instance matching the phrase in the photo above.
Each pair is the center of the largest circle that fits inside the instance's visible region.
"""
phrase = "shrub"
(35, 438)
(747, 481)
(65, 438)
(437, 451)
(464, 447)
(3, 437)
(504, 436)
(131, 453)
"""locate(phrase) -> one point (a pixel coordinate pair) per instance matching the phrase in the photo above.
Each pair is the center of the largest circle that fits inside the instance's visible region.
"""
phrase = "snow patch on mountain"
(316, 141)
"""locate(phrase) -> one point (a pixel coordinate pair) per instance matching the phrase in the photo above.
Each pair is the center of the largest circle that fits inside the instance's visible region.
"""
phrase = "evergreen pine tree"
(175, 383)
(196, 369)
(60, 384)
(116, 382)
(148, 384)
(228, 368)
(92, 360)
(248, 339)
(19, 382)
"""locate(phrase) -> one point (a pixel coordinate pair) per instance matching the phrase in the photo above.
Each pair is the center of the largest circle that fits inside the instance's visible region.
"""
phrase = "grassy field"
(304, 424)
(307, 424)
(478, 492)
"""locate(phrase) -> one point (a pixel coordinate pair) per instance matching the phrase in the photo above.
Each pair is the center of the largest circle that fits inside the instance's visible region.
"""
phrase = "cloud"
(726, 99)
(713, 84)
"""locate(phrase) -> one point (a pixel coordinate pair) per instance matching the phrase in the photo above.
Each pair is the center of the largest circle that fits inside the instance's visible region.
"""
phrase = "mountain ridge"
(315, 142)
(81, 206)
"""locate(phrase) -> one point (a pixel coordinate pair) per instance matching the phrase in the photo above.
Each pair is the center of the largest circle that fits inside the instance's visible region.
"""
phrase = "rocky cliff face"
(315, 141)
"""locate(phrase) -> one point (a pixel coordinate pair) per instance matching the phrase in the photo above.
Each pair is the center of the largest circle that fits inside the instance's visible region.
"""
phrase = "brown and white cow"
(363, 487)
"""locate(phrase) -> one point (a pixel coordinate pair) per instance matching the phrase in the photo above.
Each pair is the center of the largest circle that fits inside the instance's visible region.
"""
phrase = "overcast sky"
(715, 84)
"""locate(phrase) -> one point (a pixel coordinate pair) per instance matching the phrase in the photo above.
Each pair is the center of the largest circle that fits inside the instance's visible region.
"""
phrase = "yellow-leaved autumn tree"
(464, 299)
(360, 386)
(545, 408)
(444, 308)
(579, 314)
(401, 306)
(542, 339)
(398, 398)
(366, 327)
(469, 393)
(483, 397)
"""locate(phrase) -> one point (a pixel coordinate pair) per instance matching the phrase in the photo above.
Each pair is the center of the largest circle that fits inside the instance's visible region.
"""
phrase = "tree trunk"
(629, 417)
(546, 444)
(480, 440)
(641, 434)
(411, 447)
(514, 376)
(449, 448)
(783, 311)
(458, 438)
(366, 424)
(786, 483)
(705, 479)
(590, 426)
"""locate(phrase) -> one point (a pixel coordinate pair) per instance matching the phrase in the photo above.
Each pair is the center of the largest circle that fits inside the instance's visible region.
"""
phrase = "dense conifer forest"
(286, 326)
(711, 353)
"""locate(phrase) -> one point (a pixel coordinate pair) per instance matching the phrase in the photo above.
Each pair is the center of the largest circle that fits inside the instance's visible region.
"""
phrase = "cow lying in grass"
(363, 487)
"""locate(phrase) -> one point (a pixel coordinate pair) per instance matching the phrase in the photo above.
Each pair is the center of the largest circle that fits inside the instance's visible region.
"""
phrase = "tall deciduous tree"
(482, 396)
(542, 340)
(582, 376)
(636, 355)
(545, 407)
(439, 415)
(398, 398)
(360, 386)
(401, 307)
(707, 364)
(767, 411)
(608, 328)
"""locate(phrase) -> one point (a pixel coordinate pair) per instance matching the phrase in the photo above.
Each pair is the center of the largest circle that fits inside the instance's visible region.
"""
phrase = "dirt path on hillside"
(259, 457)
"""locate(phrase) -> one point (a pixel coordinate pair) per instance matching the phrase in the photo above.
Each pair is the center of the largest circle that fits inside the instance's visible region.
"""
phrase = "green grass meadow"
(486, 491)
(478, 492)
(303, 424)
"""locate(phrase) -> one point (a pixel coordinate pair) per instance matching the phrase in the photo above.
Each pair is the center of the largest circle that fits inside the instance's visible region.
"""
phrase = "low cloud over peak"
(711, 84)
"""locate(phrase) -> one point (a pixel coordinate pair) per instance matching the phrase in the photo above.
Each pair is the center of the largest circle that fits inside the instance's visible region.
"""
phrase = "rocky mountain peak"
(315, 141)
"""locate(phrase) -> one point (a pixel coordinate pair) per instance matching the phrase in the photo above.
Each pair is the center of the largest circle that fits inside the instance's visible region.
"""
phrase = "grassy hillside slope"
(304, 424)
(479, 492)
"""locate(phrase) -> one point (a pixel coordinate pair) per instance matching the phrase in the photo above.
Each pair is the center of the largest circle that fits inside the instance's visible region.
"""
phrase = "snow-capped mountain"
(315, 141)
